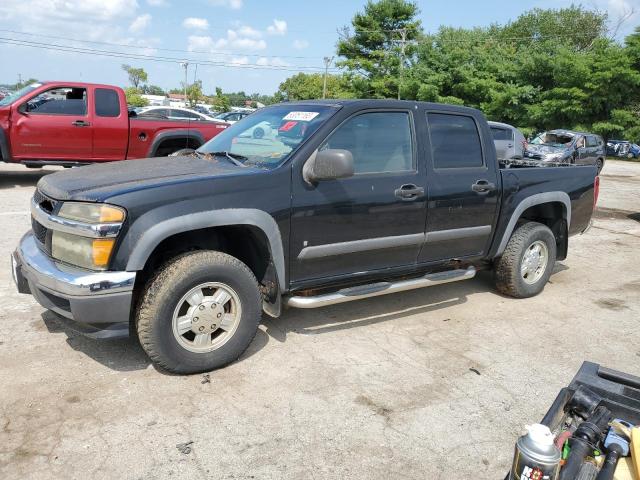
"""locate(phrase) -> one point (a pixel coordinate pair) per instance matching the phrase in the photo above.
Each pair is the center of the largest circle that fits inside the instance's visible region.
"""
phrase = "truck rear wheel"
(200, 312)
(527, 262)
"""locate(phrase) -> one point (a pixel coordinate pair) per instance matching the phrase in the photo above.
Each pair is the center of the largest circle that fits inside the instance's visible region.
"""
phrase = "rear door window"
(155, 113)
(107, 103)
(501, 133)
(592, 141)
(455, 141)
(175, 113)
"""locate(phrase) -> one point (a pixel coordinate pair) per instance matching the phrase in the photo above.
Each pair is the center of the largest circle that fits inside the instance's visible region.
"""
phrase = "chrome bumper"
(97, 299)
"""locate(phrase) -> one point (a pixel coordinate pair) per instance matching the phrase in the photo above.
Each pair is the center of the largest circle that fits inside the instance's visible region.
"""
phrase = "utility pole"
(185, 65)
(327, 62)
(403, 42)
(19, 79)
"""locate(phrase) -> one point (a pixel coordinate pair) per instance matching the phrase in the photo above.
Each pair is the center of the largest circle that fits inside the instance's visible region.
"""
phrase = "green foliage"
(152, 90)
(134, 98)
(136, 75)
(372, 51)
(220, 102)
(549, 68)
(194, 93)
(23, 84)
(305, 86)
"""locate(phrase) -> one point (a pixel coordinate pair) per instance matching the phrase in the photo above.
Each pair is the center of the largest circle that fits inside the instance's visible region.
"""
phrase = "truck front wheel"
(199, 312)
(527, 262)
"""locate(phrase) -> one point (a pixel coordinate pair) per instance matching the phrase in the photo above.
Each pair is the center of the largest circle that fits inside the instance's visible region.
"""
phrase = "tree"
(306, 86)
(136, 75)
(220, 101)
(134, 98)
(373, 52)
(194, 93)
(152, 90)
(24, 83)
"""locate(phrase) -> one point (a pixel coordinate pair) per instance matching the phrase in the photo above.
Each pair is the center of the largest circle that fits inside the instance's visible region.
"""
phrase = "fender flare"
(173, 134)
(260, 219)
(5, 154)
(538, 199)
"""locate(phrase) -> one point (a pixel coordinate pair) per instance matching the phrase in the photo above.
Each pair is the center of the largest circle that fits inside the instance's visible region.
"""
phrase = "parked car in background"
(175, 113)
(232, 117)
(329, 208)
(622, 148)
(509, 141)
(71, 123)
(565, 146)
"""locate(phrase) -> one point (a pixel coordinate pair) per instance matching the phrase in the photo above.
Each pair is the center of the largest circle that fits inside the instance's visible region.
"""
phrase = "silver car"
(509, 141)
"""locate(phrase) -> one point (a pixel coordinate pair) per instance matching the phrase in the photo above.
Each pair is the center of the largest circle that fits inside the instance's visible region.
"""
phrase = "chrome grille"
(39, 231)
(42, 234)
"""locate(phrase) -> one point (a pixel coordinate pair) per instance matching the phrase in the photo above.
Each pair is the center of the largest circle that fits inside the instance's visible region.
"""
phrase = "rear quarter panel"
(143, 131)
(520, 183)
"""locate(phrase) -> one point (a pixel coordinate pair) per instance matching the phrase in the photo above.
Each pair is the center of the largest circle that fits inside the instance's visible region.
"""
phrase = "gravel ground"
(435, 383)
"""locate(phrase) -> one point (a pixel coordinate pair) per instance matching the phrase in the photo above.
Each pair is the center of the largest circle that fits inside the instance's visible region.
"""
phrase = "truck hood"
(95, 182)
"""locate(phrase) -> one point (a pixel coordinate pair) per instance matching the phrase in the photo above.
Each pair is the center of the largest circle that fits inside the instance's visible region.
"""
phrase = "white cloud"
(300, 44)
(247, 31)
(84, 11)
(233, 4)
(278, 27)
(196, 23)
(240, 61)
(157, 3)
(140, 23)
(272, 62)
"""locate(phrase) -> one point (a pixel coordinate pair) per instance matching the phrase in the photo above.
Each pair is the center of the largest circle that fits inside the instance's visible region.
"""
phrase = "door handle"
(483, 187)
(80, 123)
(409, 192)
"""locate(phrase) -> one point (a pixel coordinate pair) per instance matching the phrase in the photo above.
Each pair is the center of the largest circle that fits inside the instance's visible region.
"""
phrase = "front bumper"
(98, 304)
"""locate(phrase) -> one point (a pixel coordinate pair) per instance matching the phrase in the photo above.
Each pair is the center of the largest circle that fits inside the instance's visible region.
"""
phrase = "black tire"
(154, 320)
(599, 164)
(508, 277)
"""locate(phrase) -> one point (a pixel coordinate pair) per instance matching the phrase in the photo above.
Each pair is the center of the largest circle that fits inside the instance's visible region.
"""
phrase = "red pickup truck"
(70, 123)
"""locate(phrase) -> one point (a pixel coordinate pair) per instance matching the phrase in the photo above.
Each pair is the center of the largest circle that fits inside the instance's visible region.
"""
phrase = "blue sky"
(248, 45)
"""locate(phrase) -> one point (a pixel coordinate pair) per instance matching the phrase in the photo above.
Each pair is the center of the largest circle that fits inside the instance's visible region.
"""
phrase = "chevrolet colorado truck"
(70, 123)
(336, 201)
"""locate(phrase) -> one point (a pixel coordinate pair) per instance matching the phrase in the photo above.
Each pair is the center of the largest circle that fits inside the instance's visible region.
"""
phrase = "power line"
(156, 58)
(175, 50)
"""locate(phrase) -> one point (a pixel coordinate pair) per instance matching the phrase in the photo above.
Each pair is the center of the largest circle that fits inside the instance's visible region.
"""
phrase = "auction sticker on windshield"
(301, 116)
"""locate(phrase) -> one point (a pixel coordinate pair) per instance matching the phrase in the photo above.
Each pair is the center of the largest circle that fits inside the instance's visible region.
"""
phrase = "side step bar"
(381, 288)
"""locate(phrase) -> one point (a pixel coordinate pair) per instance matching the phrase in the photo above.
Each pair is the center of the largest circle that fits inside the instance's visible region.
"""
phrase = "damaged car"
(565, 146)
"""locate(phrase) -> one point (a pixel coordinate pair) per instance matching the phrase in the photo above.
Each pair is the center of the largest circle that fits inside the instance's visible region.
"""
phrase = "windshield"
(269, 136)
(557, 140)
(9, 99)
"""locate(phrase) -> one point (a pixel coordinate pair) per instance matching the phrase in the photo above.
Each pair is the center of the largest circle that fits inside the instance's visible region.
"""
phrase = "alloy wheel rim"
(534, 262)
(206, 317)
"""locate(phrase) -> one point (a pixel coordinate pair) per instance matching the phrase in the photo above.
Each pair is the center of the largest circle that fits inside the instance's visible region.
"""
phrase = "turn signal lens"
(101, 251)
(109, 214)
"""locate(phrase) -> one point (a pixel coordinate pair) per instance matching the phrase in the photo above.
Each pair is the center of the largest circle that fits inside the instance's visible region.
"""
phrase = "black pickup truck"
(302, 205)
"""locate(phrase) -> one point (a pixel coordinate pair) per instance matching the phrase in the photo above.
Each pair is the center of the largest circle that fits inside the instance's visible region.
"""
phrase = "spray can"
(536, 457)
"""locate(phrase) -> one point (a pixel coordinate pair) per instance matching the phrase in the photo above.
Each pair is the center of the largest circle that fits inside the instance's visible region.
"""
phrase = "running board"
(382, 288)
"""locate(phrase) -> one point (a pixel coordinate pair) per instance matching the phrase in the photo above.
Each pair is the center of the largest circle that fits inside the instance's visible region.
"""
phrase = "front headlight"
(91, 212)
(86, 249)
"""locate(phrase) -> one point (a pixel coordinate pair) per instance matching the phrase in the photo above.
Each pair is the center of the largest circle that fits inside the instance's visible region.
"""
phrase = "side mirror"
(23, 108)
(330, 164)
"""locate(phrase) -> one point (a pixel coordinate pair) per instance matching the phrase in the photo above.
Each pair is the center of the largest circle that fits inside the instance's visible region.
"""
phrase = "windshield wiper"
(233, 157)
